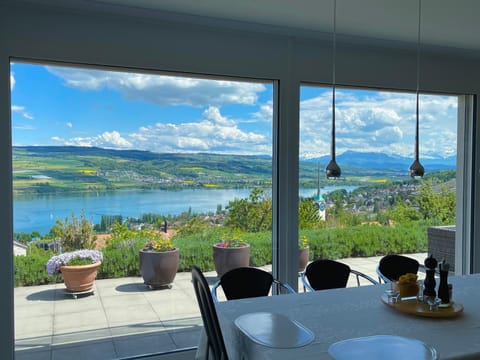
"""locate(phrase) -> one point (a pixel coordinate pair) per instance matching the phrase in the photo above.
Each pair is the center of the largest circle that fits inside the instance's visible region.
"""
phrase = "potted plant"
(78, 263)
(159, 261)
(229, 254)
(78, 268)
(303, 253)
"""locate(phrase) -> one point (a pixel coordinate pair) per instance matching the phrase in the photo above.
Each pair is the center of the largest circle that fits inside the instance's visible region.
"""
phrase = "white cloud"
(162, 90)
(213, 133)
(69, 124)
(21, 111)
(265, 113)
(12, 81)
(366, 120)
(24, 127)
(391, 134)
(379, 122)
(213, 114)
(112, 140)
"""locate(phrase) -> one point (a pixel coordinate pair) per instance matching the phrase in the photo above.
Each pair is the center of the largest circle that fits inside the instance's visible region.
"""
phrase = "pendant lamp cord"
(333, 76)
(417, 127)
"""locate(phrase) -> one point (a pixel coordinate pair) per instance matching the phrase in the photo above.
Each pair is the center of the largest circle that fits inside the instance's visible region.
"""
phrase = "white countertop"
(339, 314)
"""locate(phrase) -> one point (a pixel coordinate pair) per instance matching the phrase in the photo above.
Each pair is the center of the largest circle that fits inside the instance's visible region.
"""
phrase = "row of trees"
(431, 202)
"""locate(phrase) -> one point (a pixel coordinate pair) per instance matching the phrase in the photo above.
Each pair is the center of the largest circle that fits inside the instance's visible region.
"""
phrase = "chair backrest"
(209, 315)
(245, 282)
(327, 274)
(393, 266)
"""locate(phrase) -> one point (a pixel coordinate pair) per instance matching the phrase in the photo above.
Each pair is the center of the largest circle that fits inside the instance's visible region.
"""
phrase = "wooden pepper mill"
(443, 290)
(429, 283)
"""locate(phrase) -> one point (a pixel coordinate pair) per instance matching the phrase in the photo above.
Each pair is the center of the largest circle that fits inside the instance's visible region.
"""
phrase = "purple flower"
(55, 262)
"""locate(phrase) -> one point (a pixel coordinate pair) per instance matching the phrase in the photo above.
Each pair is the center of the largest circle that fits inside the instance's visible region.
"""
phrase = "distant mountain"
(88, 151)
(381, 161)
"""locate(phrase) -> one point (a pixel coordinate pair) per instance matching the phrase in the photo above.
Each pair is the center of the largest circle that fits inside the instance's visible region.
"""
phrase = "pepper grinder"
(429, 282)
(443, 291)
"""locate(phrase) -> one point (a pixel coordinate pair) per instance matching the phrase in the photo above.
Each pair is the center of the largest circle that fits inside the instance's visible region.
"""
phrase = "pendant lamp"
(416, 169)
(332, 170)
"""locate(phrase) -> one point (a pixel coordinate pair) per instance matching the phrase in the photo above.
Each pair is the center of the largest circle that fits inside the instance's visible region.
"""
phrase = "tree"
(76, 234)
(308, 217)
(437, 203)
(402, 214)
(336, 196)
(121, 232)
(195, 225)
(253, 214)
(107, 222)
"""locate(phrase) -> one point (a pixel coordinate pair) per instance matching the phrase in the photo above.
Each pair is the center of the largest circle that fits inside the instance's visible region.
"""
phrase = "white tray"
(274, 330)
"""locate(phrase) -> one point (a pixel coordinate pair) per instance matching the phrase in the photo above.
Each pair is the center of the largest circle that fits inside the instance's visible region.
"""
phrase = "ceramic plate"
(381, 347)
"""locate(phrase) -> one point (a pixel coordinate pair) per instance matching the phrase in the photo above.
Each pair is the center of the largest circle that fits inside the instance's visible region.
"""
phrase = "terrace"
(123, 318)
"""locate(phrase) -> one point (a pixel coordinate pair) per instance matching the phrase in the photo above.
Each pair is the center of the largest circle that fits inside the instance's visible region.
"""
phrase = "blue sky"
(126, 110)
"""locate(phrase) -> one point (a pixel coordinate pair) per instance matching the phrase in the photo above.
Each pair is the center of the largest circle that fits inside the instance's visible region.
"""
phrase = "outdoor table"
(340, 314)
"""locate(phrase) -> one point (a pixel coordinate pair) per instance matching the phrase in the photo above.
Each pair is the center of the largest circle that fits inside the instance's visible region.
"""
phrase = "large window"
(375, 208)
(136, 156)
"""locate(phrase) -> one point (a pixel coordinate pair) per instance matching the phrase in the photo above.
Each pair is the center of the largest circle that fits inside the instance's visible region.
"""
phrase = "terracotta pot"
(228, 258)
(159, 268)
(303, 257)
(79, 278)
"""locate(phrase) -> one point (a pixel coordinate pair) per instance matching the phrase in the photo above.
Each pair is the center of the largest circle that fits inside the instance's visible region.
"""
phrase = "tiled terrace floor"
(122, 318)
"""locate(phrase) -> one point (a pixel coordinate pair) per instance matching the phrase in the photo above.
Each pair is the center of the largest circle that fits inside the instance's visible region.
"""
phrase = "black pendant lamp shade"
(416, 169)
(332, 171)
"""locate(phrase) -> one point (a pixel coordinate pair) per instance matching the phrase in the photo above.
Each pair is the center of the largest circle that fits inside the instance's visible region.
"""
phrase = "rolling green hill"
(54, 169)
(43, 169)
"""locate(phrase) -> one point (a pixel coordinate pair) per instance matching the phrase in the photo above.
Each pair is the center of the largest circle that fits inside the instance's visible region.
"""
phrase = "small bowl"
(407, 290)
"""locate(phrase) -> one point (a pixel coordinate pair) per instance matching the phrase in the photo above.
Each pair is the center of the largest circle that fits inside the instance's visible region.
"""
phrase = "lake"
(39, 212)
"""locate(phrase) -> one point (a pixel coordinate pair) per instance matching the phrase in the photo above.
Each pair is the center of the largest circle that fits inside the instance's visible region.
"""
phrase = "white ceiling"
(445, 23)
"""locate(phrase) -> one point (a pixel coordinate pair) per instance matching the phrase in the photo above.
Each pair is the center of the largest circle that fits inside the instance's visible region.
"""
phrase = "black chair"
(246, 282)
(209, 316)
(329, 274)
(391, 267)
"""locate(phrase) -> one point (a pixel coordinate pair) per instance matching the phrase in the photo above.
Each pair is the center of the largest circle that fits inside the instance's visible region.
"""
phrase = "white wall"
(38, 33)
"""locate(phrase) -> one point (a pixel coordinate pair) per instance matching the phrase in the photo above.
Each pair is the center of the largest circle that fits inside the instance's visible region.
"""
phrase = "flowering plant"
(234, 242)
(159, 245)
(77, 257)
(303, 242)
